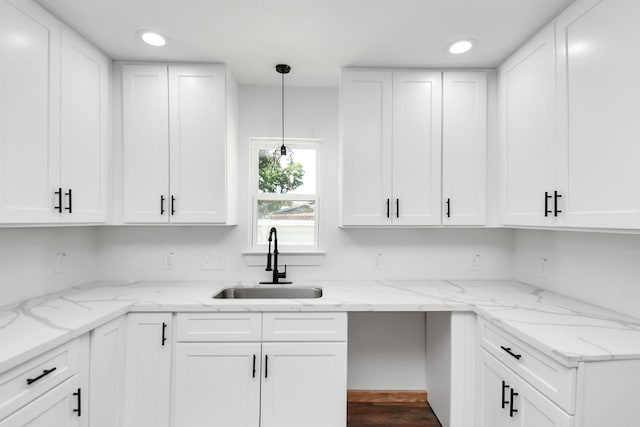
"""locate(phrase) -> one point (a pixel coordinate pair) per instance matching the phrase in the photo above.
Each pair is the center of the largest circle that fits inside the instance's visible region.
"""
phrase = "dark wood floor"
(390, 415)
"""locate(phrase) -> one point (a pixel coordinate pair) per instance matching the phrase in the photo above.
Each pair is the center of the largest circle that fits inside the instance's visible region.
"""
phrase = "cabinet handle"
(397, 208)
(547, 196)
(387, 208)
(511, 409)
(448, 208)
(173, 205)
(504, 387)
(254, 367)
(59, 194)
(164, 333)
(39, 377)
(161, 205)
(512, 354)
(79, 395)
(266, 365)
(69, 208)
(556, 196)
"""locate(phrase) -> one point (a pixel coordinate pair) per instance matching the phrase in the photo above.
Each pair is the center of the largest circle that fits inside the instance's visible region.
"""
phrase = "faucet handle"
(283, 274)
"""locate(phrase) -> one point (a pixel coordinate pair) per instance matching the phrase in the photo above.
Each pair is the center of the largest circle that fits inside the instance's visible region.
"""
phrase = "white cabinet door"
(304, 384)
(84, 130)
(464, 148)
(148, 370)
(366, 147)
(528, 131)
(505, 399)
(417, 142)
(107, 373)
(29, 113)
(599, 70)
(198, 141)
(492, 397)
(217, 384)
(63, 406)
(146, 144)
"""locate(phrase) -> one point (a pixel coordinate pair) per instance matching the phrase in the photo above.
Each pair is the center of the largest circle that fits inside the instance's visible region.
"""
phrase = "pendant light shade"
(283, 155)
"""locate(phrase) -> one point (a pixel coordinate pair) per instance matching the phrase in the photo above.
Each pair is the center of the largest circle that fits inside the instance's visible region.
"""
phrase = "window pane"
(295, 174)
(294, 219)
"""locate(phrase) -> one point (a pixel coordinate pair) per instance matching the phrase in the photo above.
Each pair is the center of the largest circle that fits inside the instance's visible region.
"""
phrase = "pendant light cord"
(283, 109)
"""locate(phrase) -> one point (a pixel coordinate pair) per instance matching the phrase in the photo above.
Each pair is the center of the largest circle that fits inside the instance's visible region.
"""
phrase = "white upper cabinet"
(464, 148)
(391, 142)
(366, 147)
(198, 130)
(54, 120)
(178, 144)
(417, 142)
(145, 143)
(29, 113)
(599, 70)
(528, 132)
(84, 131)
(394, 166)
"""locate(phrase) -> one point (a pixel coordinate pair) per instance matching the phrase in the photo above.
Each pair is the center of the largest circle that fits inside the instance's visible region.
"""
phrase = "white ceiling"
(315, 37)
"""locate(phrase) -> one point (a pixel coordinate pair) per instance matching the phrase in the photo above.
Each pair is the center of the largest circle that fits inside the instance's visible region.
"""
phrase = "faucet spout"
(277, 275)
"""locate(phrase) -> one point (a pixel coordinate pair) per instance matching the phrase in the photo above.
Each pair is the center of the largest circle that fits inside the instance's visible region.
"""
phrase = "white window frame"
(258, 144)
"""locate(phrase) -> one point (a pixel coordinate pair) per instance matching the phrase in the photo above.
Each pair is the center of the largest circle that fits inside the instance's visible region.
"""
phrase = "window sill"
(293, 257)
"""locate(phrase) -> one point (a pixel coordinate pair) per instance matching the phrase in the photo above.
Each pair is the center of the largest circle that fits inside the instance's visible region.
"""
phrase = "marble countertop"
(566, 329)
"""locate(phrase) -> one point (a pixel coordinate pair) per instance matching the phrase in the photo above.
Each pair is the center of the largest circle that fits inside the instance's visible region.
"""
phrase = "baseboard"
(386, 396)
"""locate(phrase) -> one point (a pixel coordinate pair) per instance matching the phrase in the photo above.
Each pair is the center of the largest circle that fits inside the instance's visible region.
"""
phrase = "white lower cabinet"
(60, 407)
(304, 384)
(148, 370)
(217, 384)
(108, 346)
(519, 385)
(50, 390)
(268, 384)
(505, 399)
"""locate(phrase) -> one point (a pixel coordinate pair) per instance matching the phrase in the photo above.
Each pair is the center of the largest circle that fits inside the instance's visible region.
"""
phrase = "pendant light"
(283, 154)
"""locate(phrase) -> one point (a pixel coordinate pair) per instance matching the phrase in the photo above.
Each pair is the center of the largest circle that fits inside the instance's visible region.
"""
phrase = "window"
(284, 193)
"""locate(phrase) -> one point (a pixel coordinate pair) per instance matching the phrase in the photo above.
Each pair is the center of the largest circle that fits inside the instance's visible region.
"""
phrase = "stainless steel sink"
(260, 293)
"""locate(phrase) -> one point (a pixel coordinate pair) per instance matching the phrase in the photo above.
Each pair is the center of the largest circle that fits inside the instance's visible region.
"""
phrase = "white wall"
(138, 253)
(27, 257)
(386, 351)
(600, 268)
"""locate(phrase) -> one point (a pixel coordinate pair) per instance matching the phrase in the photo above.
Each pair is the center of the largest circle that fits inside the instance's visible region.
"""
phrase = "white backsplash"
(600, 268)
(28, 260)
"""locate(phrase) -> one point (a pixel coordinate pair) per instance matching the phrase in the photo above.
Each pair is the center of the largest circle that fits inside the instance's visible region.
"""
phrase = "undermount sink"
(273, 293)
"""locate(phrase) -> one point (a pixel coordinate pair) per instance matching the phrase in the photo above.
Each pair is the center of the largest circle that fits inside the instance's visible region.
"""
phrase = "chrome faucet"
(277, 275)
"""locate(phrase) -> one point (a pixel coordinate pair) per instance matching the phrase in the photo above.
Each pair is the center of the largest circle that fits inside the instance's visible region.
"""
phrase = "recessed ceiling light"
(460, 46)
(152, 38)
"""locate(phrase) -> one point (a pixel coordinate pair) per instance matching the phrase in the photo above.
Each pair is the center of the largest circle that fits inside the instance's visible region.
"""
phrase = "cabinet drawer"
(551, 378)
(28, 381)
(207, 327)
(304, 327)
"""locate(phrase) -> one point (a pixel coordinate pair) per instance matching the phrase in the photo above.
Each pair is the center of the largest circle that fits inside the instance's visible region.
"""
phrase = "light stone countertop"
(568, 330)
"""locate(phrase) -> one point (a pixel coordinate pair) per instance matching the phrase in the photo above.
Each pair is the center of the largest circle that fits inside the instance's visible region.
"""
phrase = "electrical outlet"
(169, 261)
(59, 263)
(212, 262)
(475, 263)
(543, 269)
(378, 262)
